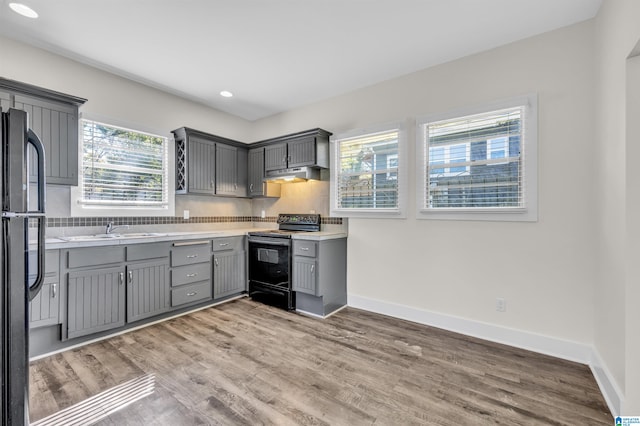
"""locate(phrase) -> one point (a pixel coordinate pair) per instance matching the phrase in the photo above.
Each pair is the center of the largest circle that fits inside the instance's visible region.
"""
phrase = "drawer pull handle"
(193, 293)
(130, 276)
(121, 278)
(54, 290)
(192, 256)
(192, 275)
(190, 243)
(223, 244)
(304, 248)
(216, 261)
(313, 268)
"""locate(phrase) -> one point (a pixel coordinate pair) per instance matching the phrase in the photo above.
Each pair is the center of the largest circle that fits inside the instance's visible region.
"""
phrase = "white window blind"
(367, 176)
(122, 167)
(475, 162)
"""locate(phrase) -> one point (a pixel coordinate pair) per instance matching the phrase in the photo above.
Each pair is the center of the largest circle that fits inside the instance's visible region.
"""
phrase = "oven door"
(270, 261)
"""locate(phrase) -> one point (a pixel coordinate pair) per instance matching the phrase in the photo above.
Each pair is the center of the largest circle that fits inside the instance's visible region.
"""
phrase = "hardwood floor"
(244, 363)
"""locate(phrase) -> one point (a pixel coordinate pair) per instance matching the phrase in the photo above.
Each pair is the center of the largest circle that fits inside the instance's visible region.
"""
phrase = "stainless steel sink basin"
(98, 237)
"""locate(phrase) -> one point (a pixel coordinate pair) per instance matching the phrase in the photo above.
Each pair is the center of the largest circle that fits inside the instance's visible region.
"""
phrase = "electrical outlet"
(185, 214)
(263, 214)
(501, 304)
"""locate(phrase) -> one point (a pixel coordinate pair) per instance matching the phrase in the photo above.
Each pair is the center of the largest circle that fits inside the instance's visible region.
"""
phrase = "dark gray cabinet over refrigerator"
(53, 116)
(209, 164)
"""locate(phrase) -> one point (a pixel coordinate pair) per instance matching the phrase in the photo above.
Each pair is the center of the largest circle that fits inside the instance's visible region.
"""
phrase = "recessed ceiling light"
(226, 94)
(23, 10)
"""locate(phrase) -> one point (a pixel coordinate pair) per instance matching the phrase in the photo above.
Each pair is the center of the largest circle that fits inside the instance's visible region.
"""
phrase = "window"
(122, 169)
(368, 176)
(480, 165)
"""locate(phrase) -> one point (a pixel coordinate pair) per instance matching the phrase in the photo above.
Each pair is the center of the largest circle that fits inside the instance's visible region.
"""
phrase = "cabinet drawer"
(230, 243)
(190, 273)
(189, 253)
(304, 248)
(51, 263)
(93, 256)
(147, 251)
(191, 293)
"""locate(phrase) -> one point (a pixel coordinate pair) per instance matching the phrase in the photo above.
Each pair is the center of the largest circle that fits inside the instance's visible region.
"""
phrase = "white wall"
(616, 328)
(544, 270)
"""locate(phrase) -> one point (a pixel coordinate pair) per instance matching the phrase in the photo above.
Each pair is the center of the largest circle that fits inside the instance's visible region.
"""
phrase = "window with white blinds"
(365, 176)
(123, 167)
(480, 162)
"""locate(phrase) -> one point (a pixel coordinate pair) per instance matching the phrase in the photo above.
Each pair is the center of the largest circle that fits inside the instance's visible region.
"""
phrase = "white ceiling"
(275, 55)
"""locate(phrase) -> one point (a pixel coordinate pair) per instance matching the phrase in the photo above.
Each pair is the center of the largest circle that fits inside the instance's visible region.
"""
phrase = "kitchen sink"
(98, 237)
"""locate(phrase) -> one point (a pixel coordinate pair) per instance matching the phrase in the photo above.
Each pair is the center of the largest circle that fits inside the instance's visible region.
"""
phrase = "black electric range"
(270, 259)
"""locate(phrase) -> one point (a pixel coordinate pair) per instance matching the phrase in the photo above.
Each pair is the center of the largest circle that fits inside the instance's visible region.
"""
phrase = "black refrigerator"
(23, 203)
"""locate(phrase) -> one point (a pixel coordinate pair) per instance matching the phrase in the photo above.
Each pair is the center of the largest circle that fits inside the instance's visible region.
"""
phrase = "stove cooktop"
(289, 224)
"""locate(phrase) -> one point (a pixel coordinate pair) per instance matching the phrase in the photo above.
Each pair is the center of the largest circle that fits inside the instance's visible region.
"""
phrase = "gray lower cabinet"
(190, 272)
(95, 290)
(96, 301)
(319, 275)
(229, 266)
(148, 287)
(44, 309)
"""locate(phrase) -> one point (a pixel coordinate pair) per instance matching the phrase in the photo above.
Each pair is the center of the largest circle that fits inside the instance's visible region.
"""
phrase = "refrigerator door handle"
(39, 214)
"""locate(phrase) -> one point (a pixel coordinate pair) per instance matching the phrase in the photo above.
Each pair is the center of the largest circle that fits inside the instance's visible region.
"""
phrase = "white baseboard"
(559, 348)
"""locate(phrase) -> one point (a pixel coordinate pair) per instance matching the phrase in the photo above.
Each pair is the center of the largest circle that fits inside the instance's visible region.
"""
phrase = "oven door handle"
(270, 241)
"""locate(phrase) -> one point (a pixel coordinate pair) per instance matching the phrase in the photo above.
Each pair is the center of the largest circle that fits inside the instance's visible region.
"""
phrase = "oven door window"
(269, 264)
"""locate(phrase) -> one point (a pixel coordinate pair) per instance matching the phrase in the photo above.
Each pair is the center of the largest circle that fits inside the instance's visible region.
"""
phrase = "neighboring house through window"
(366, 179)
(480, 165)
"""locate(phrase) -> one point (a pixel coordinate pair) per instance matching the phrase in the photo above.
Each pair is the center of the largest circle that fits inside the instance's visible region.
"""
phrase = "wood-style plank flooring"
(244, 363)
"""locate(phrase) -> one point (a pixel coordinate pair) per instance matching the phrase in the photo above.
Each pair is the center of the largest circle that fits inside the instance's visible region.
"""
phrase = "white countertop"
(60, 243)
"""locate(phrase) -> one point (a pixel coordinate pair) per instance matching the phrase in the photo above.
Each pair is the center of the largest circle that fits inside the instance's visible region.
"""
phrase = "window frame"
(401, 175)
(527, 213)
(78, 208)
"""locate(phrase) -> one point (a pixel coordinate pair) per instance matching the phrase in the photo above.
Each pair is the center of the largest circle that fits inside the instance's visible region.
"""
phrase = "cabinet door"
(256, 172)
(275, 157)
(226, 170)
(304, 275)
(228, 273)
(302, 152)
(56, 126)
(201, 164)
(5, 101)
(44, 309)
(95, 301)
(147, 290)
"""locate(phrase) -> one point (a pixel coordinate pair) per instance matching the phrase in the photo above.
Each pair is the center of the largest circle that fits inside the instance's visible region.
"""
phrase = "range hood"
(297, 174)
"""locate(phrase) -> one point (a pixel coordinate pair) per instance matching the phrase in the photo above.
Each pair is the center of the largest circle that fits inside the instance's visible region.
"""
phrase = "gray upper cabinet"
(5, 100)
(201, 172)
(308, 148)
(275, 157)
(209, 164)
(257, 187)
(53, 117)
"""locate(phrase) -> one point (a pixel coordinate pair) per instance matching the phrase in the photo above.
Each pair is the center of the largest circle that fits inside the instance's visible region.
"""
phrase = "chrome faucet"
(111, 228)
